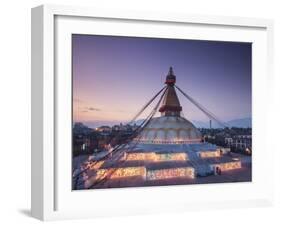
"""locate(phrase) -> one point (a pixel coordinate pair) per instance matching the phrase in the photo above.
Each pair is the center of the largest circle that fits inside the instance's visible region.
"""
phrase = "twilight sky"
(113, 77)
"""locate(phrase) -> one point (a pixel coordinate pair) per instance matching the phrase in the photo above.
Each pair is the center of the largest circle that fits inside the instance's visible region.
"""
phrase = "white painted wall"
(15, 110)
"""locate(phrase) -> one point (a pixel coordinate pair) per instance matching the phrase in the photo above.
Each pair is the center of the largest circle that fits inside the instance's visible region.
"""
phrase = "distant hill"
(242, 123)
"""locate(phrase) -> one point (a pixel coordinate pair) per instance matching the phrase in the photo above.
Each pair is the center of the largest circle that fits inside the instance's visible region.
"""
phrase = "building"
(170, 127)
(103, 129)
(240, 142)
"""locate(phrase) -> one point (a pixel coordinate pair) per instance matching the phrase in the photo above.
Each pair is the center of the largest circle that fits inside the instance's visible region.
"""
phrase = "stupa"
(170, 128)
(168, 148)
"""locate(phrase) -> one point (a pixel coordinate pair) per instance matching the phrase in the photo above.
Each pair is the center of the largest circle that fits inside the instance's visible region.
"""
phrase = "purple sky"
(113, 77)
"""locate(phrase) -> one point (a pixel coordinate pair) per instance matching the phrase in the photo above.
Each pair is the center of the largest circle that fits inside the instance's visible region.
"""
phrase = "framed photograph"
(137, 112)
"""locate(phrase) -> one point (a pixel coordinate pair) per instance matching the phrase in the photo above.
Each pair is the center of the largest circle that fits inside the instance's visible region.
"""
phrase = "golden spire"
(170, 105)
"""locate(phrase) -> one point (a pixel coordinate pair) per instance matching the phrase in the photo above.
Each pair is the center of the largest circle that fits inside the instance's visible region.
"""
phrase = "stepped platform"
(149, 164)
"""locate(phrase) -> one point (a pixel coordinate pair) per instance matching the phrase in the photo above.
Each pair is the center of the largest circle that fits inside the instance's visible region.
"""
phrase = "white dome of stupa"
(169, 130)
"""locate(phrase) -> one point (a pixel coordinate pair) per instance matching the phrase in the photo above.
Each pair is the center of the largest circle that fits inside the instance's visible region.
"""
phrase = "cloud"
(89, 109)
(93, 109)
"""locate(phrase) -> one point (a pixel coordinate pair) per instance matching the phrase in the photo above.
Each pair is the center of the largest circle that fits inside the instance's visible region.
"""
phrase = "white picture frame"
(52, 197)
